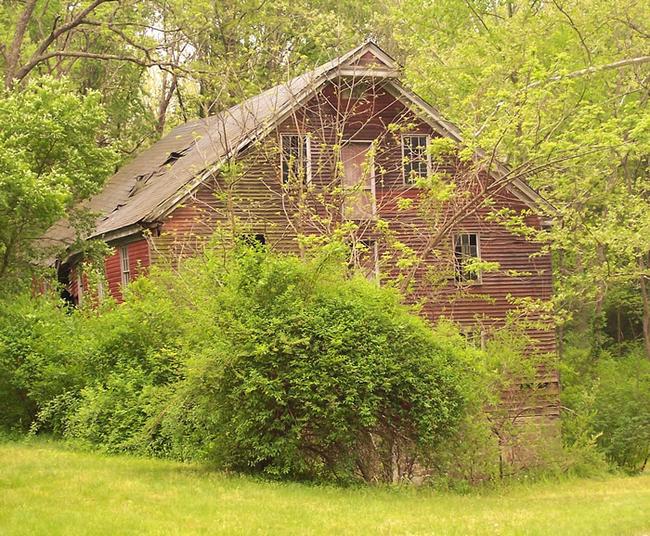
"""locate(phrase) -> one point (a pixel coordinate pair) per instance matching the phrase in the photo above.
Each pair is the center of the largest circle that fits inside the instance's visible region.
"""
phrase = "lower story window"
(124, 265)
(253, 240)
(466, 250)
(365, 257)
(80, 285)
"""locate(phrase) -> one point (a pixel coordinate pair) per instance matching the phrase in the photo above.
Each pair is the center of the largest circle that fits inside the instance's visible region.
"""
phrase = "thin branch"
(639, 60)
(575, 29)
(164, 65)
(40, 55)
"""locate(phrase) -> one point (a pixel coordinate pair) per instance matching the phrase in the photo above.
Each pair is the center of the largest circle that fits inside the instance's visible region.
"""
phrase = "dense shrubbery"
(608, 401)
(270, 364)
(306, 374)
(265, 363)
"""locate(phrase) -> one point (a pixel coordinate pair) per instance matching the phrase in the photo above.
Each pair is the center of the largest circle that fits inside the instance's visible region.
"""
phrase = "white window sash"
(405, 179)
(124, 265)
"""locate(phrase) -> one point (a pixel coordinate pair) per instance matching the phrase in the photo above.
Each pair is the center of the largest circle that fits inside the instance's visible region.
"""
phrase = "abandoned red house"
(345, 148)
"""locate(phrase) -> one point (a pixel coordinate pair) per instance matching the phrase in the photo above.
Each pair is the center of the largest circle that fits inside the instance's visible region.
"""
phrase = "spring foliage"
(49, 161)
(271, 365)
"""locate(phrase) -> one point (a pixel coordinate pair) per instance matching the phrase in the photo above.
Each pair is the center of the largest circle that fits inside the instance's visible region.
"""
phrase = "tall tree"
(49, 162)
(538, 80)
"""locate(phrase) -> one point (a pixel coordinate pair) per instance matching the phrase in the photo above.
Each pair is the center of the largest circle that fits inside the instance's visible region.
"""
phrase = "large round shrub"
(308, 374)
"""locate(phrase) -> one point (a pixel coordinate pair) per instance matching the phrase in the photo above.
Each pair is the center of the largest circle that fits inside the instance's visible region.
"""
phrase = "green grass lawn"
(45, 489)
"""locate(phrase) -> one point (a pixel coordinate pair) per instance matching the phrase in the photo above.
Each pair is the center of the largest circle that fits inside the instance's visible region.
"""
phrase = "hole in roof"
(139, 183)
(174, 156)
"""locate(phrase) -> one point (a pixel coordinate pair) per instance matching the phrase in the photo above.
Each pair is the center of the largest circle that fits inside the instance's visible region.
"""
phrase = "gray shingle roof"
(139, 190)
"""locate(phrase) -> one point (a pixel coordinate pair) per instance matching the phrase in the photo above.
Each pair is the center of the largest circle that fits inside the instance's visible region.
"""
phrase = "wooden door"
(358, 181)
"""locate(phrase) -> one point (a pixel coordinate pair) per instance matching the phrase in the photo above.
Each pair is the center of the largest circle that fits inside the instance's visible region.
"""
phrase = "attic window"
(354, 90)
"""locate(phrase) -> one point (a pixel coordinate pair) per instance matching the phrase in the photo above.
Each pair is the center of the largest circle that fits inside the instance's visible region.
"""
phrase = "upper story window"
(415, 157)
(124, 265)
(295, 159)
(466, 249)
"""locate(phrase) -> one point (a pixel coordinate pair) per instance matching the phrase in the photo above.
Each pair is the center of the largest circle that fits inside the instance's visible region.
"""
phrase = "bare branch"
(164, 65)
(40, 54)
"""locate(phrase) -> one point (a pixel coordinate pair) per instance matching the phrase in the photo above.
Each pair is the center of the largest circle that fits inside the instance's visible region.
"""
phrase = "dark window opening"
(63, 278)
(253, 240)
(295, 165)
(416, 158)
(465, 250)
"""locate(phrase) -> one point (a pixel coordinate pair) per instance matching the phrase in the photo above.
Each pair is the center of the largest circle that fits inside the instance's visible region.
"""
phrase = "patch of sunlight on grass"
(47, 490)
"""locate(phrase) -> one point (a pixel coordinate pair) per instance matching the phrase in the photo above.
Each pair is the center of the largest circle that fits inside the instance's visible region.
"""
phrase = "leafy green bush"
(608, 401)
(622, 410)
(130, 350)
(61, 369)
(264, 363)
(306, 374)
(38, 341)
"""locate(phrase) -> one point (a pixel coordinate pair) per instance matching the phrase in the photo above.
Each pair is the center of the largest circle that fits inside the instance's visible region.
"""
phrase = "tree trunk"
(645, 295)
(166, 97)
(13, 54)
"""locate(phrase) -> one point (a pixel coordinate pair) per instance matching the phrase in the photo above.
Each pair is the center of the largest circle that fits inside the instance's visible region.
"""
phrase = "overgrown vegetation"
(292, 368)
(533, 82)
(271, 365)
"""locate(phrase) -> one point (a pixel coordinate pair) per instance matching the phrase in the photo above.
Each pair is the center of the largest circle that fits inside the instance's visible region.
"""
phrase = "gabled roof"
(153, 183)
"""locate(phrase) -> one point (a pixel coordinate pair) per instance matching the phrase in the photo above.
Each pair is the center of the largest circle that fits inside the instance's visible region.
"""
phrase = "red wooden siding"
(139, 261)
(259, 200)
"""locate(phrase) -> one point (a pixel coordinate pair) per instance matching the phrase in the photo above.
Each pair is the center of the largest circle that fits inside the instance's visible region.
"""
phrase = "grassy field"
(47, 490)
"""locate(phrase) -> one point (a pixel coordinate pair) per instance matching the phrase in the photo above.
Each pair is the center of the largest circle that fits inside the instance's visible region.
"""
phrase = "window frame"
(459, 277)
(306, 143)
(100, 289)
(404, 136)
(371, 246)
(125, 274)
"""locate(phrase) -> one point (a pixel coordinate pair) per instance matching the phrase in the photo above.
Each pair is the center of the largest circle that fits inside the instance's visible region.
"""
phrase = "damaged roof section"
(160, 177)
(140, 190)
